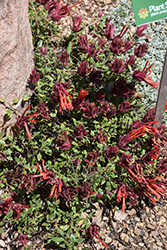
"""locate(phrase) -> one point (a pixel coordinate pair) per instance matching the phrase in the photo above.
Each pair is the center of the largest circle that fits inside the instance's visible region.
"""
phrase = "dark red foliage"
(125, 106)
(64, 141)
(112, 111)
(84, 44)
(140, 30)
(79, 131)
(93, 51)
(67, 194)
(125, 160)
(149, 116)
(23, 239)
(90, 110)
(44, 113)
(131, 61)
(2, 156)
(76, 161)
(104, 107)
(85, 191)
(100, 95)
(117, 66)
(122, 88)
(111, 151)
(92, 157)
(34, 77)
(162, 167)
(93, 230)
(64, 57)
(100, 137)
(56, 11)
(76, 23)
(141, 50)
(83, 69)
(109, 31)
(123, 141)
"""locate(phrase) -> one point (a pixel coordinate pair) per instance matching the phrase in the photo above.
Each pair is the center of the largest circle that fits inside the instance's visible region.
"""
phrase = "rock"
(150, 226)
(108, 240)
(137, 231)
(16, 55)
(120, 216)
(2, 243)
(132, 212)
(122, 236)
(147, 210)
(165, 231)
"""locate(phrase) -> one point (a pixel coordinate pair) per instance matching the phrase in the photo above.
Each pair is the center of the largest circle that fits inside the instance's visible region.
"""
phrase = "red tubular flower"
(22, 121)
(125, 192)
(148, 187)
(60, 92)
(78, 102)
(142, 75)
(51, 178)
(83, 69)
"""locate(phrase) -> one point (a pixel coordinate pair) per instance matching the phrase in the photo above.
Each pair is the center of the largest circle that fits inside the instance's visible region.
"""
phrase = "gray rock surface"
(16, 54)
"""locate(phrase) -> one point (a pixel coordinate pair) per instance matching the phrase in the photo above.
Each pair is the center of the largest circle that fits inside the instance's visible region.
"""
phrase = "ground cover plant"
(86, 136)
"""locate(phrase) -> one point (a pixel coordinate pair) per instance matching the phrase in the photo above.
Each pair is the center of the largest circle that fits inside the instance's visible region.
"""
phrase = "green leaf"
(9, 112)
(15, 100)
(8, 215)
(2, 231)
(26, 97)
(69, 48)
(58, 239)
(39, 156)
(2, 100)
(79, 240)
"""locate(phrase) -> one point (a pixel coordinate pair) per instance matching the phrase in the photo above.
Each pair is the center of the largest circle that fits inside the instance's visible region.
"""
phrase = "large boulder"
(16, 56)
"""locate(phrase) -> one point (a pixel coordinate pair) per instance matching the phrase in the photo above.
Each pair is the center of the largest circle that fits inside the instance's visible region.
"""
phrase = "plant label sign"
(146, 11)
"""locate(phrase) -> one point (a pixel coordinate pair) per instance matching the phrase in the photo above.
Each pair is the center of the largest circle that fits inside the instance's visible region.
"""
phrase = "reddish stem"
(101, 242)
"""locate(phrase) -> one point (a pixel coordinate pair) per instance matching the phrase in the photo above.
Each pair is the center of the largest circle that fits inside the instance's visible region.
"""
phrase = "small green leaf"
(9, 112)
(2, 231)
(2, 100)
(8, 215)
(15, 100)
(26, 97)
(69, 48)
